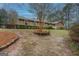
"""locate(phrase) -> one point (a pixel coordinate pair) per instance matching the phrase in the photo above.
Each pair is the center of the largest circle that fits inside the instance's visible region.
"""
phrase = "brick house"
(55, 25)
(28, 22)
(58, 24)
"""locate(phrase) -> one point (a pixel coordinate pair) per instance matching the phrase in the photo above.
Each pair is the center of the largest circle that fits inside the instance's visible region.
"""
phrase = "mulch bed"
(43, 33)
(6, 38)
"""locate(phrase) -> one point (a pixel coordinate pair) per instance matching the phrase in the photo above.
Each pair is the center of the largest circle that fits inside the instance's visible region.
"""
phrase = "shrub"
(74, 47)
(74, 33)
(25, 27)
(48, 27)
(31, 27)
(61, 28)
(20, 26)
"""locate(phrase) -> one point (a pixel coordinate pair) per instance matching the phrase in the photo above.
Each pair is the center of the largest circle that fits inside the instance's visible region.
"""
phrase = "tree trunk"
(40, 26)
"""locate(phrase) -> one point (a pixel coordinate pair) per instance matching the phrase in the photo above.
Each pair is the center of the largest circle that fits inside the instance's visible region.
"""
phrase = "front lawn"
(58, 33)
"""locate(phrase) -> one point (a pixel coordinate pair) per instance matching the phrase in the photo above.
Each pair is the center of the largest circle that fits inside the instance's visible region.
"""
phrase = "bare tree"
(67, 13)
(12, 17)
(41, 11)
(71, 14)
(3, 16)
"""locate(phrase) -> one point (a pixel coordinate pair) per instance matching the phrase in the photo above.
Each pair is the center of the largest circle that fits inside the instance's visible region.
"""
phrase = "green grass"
(63, 33)
(53, 32)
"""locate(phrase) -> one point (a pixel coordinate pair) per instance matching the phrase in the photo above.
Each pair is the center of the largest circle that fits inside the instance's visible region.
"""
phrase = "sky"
(22, 10)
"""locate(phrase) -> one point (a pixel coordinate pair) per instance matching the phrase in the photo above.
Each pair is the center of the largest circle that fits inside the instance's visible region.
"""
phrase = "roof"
(55, 22)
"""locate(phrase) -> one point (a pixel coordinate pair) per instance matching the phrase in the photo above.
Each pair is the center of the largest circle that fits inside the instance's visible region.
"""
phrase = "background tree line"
(69, 14)
(8, 16)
